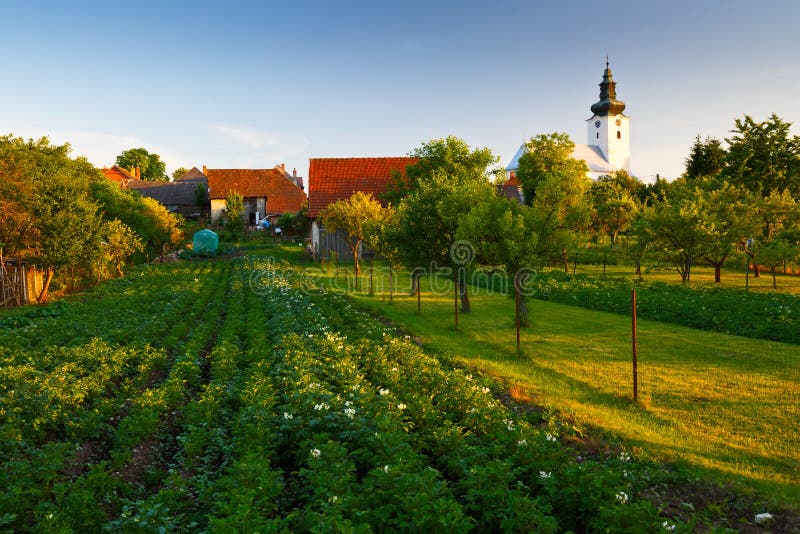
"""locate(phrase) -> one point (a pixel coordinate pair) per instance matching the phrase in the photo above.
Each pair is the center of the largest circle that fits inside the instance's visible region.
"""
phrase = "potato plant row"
(260, 405)
(75, 413)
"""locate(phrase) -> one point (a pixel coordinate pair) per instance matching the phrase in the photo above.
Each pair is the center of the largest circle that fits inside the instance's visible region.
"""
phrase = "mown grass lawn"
(724, 403)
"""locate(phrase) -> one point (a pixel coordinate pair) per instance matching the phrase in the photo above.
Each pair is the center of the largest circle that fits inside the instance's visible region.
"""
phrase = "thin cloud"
(249, 137)
(261, 145)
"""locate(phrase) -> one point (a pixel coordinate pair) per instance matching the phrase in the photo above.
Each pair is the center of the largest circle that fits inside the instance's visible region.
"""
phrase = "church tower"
(608, 128)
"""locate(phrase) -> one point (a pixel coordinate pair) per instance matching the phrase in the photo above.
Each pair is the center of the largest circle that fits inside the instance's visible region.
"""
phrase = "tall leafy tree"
(727, 219)
(654, 191)
(52, 220)
(503, 233)
(763, 156)
(555, 186)
(18, 160)
(146, 217)
(706, 158)
(778, 217)
(778, 251)
(428, 219)
(68, 231)
(378, 237)
(673, 225)
(164, 228)
(451, 155)
(354, 217)
(454, 176)
(120, 243)
(150, 165)
(613, 208)
(698, 220)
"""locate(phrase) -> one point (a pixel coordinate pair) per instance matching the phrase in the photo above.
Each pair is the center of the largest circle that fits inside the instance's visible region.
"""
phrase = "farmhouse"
(608, 147)
(332, 179)
(187, 195)
(267, 193)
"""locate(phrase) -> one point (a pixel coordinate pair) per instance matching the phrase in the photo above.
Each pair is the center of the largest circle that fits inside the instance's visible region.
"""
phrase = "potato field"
(228, 396)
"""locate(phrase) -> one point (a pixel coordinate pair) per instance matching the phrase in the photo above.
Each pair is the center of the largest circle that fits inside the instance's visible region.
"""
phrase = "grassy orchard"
(252, 405)
(724, 403)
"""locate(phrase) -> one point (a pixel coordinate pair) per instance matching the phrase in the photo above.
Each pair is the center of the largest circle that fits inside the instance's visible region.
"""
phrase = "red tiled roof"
(282, 194)
(117, 174)
(513, 180)
(332, 179)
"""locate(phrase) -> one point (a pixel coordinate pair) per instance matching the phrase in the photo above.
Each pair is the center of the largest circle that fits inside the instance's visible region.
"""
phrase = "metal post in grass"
(635, 350)
(391, 282)
(455, 295)
(419, 299)
(371, 289)
(516, 294)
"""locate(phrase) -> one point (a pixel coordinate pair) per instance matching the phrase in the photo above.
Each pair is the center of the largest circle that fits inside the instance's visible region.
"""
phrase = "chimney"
(205, 170)
(283, 167)
(294, 172)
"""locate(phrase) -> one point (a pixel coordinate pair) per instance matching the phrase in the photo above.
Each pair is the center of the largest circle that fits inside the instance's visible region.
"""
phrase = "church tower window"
(619, 134)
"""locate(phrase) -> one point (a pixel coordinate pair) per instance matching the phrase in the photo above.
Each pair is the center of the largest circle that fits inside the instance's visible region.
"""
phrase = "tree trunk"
(717, 272)
(119, 269)
(564, 258)
(356, 266)
(756, 270)
(774, 283)
(688, 268)
(462, 291)
(684, 271)
(42, 298)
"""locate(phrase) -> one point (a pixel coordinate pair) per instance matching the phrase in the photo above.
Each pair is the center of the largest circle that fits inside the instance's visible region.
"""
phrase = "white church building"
(608, 146)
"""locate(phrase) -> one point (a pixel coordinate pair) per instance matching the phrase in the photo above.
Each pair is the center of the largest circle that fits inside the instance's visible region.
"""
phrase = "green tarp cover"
(205, 241)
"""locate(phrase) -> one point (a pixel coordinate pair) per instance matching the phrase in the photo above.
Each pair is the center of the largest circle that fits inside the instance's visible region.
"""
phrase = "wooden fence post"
(455, 294)
(516, 293)
(633, 339)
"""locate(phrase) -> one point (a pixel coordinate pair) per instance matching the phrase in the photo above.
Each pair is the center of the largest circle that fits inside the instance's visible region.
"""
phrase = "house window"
(619, 134)
(598, 135)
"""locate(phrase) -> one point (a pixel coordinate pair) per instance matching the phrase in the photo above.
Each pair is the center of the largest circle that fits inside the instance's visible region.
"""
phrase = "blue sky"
(255, 84)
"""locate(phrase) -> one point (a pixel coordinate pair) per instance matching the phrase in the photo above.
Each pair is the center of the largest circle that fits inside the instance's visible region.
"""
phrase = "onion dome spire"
(608, 103)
